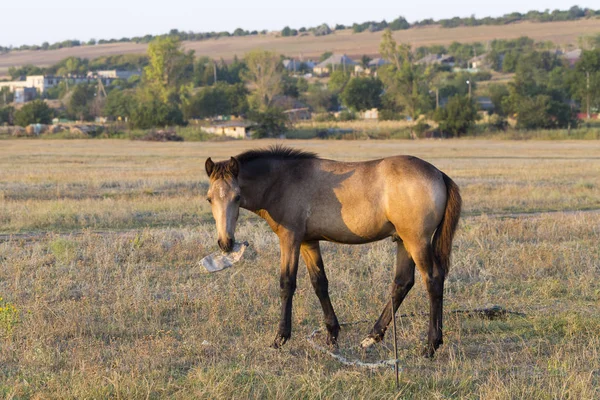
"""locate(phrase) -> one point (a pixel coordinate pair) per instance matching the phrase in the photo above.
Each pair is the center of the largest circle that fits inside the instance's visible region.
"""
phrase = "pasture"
(562, 33)
(102, 295)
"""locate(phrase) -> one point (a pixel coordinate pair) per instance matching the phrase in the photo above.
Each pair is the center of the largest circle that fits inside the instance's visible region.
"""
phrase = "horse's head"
(224, 198)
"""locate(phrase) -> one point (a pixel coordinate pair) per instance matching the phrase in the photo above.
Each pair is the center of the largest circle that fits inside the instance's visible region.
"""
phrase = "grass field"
(102, 295)
(355, 45)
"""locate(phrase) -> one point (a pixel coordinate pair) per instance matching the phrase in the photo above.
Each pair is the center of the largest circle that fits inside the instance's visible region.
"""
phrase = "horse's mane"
(275, 152)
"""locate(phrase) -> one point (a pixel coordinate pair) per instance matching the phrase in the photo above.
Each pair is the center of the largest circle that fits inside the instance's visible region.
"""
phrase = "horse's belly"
(350, 231)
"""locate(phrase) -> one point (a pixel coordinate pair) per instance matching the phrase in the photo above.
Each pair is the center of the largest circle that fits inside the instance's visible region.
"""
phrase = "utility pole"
(469, 83)
(215, 71)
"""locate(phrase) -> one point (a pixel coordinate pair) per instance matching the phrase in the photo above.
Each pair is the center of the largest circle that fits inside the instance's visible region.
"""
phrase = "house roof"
(573, 54)
(234, 124)
(480, 57)
(435, 59)
(378, 62)
(291, 64)
(336, 59)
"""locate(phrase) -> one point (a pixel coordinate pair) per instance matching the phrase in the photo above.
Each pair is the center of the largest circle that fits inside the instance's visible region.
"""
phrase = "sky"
(38, 21)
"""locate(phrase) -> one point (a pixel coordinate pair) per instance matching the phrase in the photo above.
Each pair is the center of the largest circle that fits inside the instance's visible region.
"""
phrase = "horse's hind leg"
(403, 282)
(433, 276)
(311, 253)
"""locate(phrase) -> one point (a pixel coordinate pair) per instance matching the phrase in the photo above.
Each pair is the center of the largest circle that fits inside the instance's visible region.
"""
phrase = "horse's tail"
(442, 239)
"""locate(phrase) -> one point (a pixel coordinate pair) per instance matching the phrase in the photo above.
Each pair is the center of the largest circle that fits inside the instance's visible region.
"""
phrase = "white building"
(40, 82)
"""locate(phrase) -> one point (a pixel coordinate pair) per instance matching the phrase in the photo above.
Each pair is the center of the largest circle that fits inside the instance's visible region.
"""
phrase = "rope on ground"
(491, 313)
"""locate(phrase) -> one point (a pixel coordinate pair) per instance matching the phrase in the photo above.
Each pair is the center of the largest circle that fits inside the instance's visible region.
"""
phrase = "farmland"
(355, 45)
(102, 294)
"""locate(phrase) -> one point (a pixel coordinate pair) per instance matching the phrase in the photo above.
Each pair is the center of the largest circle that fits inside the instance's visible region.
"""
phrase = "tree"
(498, 93)
(220, 99)
(362, 94)
(264, 75)
(6, 115)
(405, 82)
(80, 100)
(120, 104)
(399, 24)
(338, 80)
(269, 123)
(534, 98)
(287, 31)
(34, 112)
(365, 60)
(585, 80)
(325, 56)
(458, 116)
(16, 73)
(321, 99)
(169, 67)
(150, 113)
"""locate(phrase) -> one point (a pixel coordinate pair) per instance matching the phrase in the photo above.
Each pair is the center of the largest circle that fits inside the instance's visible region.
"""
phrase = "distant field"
(562, 33)
(102, 295)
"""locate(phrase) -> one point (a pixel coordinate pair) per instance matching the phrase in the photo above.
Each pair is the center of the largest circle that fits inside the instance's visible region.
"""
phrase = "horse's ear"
(234, 166)
(209, 165)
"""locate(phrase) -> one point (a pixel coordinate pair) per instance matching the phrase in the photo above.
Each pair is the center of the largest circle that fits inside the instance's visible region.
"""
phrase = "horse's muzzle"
(226, 245)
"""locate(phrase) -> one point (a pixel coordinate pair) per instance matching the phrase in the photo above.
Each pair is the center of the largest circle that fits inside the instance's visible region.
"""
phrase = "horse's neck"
(257, 180)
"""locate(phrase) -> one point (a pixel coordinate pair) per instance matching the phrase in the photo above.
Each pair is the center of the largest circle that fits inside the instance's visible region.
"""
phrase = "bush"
(497, 123)
(458, 116)
(389, 115)
(6, 115)
(421, 127)
(35, 112)
(362, 93)
(271, 123)
(347, 115)
(154, 113)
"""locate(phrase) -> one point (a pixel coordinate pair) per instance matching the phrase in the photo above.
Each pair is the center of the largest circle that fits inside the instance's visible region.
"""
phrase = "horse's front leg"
(289, 243)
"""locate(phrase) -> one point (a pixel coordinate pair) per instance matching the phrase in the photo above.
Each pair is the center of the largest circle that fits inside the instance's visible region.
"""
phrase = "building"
(113, 74)
(298, 114)
(478, 62)
(336, 61)
(372, 67)
(572, 56)
(39, 82)
(25, 94)
(372, 114)
(236, 129)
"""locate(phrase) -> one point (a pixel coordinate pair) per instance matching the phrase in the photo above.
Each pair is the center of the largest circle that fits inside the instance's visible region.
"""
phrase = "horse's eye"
(209, 200)
(237, 198)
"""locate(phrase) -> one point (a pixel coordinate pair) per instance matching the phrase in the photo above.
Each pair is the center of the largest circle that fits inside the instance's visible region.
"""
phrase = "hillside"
(561, 33)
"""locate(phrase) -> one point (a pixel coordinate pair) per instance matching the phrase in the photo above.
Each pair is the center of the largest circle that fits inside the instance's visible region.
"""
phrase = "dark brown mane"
(275, 152)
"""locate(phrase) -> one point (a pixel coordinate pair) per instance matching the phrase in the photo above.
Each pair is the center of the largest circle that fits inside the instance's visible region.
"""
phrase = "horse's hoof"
(332, 342)
(279, 341)
(429, 353)
(368, 342)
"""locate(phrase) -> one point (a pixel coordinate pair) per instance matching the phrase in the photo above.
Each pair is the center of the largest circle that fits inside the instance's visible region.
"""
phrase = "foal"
(306, 199)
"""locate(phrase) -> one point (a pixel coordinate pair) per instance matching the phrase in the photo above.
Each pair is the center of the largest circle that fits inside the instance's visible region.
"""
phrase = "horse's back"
(365, 201)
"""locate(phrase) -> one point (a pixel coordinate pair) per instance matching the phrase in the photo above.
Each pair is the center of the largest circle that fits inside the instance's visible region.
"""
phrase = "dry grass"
(129, 313)
(355, 45)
